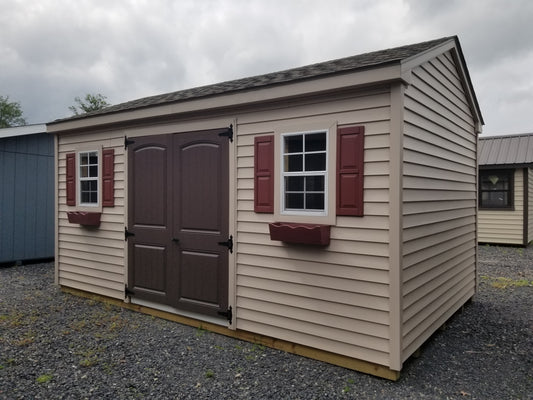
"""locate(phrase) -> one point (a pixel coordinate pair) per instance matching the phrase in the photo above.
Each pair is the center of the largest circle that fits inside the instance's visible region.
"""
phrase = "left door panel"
(149, 250)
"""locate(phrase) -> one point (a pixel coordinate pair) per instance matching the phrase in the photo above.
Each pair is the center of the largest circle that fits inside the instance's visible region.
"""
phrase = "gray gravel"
(57, 346)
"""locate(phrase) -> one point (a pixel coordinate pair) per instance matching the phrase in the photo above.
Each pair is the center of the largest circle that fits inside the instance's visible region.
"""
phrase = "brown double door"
(178, 215)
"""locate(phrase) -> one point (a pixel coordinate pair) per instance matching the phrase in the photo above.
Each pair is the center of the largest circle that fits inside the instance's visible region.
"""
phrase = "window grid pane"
(496, 189)
(88, 167)
(293, 163)
(304, 171)
(315, 162)
(315, 142)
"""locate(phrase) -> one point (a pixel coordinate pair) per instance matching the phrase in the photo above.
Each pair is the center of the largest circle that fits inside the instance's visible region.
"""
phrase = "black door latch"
(228, 244)
(127, 234)
(228, 132)
(228, 314)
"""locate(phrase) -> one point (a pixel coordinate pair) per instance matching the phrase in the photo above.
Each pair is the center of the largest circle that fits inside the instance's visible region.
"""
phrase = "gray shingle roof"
(342, 65)
(506, 151)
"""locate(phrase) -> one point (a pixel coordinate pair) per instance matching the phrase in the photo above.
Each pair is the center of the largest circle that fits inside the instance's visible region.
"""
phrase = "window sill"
(290, 232)
(496, 208)
(84, 218)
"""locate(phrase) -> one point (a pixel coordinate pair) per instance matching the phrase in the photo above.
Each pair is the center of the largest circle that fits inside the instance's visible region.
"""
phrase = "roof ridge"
(511, 135)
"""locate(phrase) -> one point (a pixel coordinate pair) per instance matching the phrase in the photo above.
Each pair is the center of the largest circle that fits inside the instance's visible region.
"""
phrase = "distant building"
(26, 194)
(505, 199)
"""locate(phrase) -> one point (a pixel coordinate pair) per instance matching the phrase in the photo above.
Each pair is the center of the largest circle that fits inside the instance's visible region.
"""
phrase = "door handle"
(228, 243)
(175, 240)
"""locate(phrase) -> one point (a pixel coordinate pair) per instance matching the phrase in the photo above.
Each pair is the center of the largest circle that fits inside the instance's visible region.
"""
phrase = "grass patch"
(89, 357)
(200, 331)
(103, 324)
(109, 367)
(13, 320)
(348, 387)
(79, 325)
(505, 283)
(7, 363)
(45, 378)
(27, 339)
(254, 352)
(24, 341)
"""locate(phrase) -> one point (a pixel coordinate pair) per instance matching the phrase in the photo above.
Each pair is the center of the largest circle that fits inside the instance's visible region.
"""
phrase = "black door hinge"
(228, 132)
(228, 243)
(128, 291)
(127, 234)
(127, 142)
(228, 314)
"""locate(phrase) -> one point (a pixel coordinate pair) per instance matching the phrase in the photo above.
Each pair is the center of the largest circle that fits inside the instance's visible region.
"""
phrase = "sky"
(54, 50)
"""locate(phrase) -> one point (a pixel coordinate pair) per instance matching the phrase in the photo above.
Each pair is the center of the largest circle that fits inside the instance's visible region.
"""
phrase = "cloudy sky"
(54, 50)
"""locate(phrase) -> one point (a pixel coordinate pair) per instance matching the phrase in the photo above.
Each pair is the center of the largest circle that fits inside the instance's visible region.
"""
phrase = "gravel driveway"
(57, 346)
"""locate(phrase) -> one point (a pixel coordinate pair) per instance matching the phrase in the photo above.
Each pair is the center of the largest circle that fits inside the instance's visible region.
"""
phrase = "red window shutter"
(71, 179)
(350, 170)
(264, 174)
(108, 178)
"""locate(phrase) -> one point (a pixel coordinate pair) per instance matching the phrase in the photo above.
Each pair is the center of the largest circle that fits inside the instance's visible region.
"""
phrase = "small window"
(304, 173)
(88, 178)
(496, 189)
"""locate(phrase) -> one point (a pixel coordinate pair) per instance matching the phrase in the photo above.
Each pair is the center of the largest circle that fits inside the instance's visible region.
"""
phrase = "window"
(310, 176)
(304, 173)
(496, 189)
(90, 179)
(88, 173)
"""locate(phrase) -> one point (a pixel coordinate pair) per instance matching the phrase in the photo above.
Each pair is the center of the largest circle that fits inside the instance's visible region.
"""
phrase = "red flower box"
(290, 232)
(84, 218)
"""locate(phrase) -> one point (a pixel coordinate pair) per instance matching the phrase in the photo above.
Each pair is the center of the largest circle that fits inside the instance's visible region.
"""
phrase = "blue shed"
(26, 194)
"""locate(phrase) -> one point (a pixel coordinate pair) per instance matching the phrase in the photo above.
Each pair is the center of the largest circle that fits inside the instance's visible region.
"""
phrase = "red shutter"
(71, 179)
(108, 178)
(350, 170)
(264, 174)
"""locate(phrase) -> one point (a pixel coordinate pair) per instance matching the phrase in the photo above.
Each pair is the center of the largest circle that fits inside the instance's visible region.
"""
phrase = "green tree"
(10, 113)
(91, 102)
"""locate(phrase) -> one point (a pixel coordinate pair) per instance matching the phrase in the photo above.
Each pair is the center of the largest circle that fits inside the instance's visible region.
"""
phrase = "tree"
(91, 102)
(10, 113)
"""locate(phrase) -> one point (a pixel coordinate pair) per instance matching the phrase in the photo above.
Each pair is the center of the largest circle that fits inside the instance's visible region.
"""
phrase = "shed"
(26, 194)
(328, 210)
(505, 213)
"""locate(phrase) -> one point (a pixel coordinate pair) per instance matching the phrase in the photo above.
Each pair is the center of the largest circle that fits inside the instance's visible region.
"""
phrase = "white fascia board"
(22, 130)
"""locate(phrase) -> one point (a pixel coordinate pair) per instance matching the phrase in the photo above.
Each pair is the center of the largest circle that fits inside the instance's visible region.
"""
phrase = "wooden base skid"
(289, 347)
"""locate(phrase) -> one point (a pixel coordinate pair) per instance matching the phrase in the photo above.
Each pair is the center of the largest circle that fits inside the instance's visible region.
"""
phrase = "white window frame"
(283, 174)
(329, 217)
(79, 179)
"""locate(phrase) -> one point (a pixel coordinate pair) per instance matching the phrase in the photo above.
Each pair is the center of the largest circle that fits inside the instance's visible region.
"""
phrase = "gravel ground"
(57, 346)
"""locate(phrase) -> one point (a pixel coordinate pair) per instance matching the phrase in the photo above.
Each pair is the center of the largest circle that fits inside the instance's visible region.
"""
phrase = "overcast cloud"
(54, 50)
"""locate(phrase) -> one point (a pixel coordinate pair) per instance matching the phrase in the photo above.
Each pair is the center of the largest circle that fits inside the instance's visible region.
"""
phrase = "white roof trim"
(22, 130)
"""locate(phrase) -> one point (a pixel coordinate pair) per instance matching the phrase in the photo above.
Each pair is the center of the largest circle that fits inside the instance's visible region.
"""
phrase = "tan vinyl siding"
(337, 298)
(530, 205)
(504, 226)
(439, 194)
(92, 259)
(388, 279)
